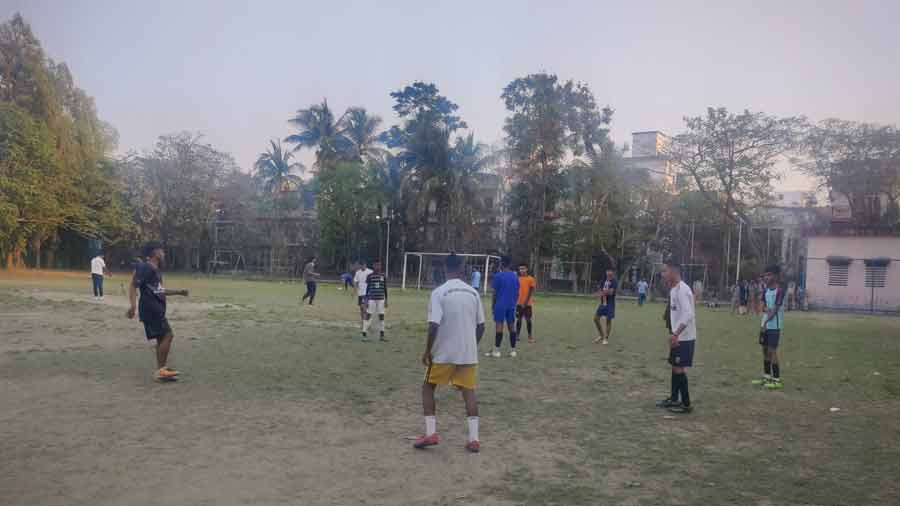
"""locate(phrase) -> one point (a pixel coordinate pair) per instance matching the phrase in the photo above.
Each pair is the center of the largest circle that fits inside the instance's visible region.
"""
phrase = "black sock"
(776, 370)
(685, 395)
(498, 339)
(528, 324)
(512, 339)
(518, 326)
(675, 388)
(767, 367)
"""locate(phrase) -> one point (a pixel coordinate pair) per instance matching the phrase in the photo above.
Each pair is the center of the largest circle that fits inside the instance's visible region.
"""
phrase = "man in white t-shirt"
(359, 284)
(98, 269)
(455, 327)
(681, 341)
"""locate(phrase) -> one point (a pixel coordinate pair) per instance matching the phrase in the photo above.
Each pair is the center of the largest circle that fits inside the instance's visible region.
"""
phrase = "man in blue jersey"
(505, 296)
(606, 311)
(770, 330)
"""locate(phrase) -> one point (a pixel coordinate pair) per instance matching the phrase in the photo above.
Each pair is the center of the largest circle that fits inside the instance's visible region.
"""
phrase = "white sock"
(473, 428)
(381, 326)
(430, 425)
(366, 325)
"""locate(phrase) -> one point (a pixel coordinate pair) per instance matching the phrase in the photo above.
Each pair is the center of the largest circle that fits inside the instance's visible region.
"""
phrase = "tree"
(859, 161)
(174, 188)
(320, 130)
(730, 159)
(548, 122)
(276, 170)
(348, 201)
(361, 129)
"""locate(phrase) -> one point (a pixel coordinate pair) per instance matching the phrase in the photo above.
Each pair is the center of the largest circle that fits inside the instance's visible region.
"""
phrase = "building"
(853, 272)
(648, 153)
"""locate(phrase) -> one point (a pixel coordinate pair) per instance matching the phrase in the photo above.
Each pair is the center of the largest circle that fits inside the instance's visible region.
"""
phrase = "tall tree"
(319, 129)
(276, 169)
(361, 129)
(859, 161)
(730, 159)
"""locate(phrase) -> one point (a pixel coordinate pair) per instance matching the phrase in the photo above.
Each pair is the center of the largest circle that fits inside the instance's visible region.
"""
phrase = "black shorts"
(607, 311)
(157, 328)
(524, 311)
(682, 355)
(770, 338)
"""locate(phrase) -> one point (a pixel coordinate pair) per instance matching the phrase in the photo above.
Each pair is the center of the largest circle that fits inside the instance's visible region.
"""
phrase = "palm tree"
(361, 129)
(319, 129)
(276, 170)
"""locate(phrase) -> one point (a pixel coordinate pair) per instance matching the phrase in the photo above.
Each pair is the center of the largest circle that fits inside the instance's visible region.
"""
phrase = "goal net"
(428, 270)
(563, 276)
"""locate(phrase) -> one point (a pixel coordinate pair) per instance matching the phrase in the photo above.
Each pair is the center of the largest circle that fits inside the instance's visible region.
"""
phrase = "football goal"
(428, 270)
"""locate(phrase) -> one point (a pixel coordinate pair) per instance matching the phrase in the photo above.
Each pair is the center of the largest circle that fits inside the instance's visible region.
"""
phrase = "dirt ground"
(278, 404)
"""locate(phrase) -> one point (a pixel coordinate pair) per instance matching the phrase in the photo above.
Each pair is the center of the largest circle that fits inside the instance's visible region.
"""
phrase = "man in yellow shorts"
(455, 327)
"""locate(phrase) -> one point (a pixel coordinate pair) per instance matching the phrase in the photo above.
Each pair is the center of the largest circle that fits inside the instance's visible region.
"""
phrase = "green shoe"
(775, 384)
(762, 380)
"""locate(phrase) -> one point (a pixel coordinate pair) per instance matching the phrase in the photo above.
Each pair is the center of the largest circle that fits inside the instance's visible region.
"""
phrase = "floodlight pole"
(387, 249)
(737, 275)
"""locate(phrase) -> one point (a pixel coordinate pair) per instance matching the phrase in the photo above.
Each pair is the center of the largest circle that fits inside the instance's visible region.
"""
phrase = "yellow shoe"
(164, 374)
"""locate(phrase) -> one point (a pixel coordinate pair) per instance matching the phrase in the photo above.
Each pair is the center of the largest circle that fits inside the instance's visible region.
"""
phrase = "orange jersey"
(526, 283)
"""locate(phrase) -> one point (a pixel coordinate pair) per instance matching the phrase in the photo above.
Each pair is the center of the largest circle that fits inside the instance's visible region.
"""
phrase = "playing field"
(278, 405)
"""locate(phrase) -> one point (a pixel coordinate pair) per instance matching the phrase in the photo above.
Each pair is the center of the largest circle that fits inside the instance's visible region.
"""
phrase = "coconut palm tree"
(320, 130)
(361, 129)
(276, 170)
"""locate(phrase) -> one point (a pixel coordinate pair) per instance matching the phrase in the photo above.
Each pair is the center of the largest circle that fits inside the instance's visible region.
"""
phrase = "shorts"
(682, 355)
(504, 314)
(375, 307)
(157, 328)
(606, 311)
(524, 312)
(361, 301)
(770, 338)
(462, 376)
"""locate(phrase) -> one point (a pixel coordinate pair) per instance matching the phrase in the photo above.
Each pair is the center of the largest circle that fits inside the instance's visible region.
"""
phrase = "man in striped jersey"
(376, 295)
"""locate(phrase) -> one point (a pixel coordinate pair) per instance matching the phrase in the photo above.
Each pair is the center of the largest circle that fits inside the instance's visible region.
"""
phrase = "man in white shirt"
(455, 327)
(98, 269)
(359, 284)
(681, 341)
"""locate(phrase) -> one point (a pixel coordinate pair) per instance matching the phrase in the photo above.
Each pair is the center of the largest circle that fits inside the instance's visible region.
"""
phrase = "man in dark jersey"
(376, 300)
(606, 311)
(147, 281)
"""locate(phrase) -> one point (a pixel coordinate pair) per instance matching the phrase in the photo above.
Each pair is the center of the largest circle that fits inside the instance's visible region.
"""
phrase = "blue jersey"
(774, 300)
(506, 286)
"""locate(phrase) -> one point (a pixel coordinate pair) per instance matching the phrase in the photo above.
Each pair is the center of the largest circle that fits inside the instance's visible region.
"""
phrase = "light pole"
(388, 213)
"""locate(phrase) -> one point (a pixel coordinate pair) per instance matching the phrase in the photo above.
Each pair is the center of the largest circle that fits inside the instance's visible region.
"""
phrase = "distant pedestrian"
(310, 276)
(642, 287)
(98, 269)
(476, 278)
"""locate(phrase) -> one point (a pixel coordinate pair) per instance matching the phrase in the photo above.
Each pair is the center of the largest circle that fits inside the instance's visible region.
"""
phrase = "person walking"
(98, 270)
(310, 276)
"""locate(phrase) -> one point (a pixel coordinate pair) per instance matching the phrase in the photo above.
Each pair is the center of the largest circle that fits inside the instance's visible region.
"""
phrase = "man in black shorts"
(147, 281)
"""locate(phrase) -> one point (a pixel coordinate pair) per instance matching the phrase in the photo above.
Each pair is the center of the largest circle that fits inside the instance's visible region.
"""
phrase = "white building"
(647, 153)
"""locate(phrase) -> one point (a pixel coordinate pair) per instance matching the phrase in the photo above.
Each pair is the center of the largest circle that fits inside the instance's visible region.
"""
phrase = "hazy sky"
(237, 70)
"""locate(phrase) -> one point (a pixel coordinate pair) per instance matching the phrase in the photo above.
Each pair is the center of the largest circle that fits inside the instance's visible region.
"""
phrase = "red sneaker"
(426, 441)
(473, 446)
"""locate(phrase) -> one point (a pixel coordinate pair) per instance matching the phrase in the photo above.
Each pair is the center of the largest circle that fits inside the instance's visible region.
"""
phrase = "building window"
(876, 272)
(838, 274)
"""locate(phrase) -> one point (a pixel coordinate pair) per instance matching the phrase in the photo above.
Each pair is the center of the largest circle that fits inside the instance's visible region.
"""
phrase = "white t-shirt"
(681, 307)
(456, 308)
(97, 266)
(360, 280)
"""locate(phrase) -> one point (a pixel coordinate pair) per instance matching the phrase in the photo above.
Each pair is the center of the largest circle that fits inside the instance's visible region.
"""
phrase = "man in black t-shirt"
(147, 281)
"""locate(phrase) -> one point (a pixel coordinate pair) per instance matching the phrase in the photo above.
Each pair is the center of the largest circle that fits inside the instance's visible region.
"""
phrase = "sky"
(236, 71)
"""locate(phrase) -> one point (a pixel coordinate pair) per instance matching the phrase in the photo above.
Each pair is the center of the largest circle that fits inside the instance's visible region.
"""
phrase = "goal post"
(555, 275)
(427, 269)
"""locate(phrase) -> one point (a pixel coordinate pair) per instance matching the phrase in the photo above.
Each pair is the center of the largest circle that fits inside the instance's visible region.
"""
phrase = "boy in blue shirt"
(505, 296)
(770, 331)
